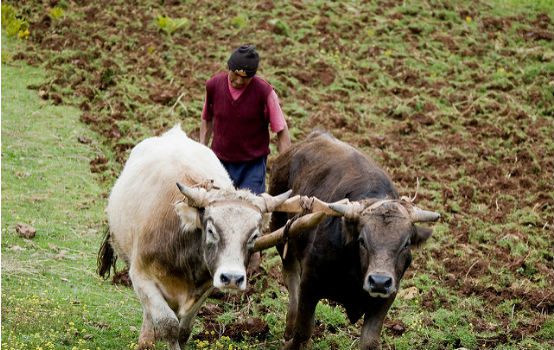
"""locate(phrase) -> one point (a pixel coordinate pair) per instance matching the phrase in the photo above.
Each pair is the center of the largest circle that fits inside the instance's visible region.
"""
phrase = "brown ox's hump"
(329, 169)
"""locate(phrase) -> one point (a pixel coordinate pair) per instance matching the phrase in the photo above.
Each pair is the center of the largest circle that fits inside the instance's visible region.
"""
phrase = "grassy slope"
(50, 295)
(381, 84)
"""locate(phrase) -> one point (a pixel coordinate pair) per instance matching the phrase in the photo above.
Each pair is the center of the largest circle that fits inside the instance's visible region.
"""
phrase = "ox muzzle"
(230, 279)
(380, 285)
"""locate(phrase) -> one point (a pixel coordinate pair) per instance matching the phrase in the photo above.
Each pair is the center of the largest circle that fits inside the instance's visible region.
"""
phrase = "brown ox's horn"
(419, 215)
(196, 196)
(303, 223)
(321, 206)
(267, 203)
(350, 210)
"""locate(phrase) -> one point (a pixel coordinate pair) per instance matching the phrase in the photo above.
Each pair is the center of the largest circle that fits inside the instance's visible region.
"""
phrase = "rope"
(306, 204)
(207, 184)
(411, 200)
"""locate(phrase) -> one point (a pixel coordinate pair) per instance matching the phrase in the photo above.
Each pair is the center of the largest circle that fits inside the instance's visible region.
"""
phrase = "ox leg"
(371, 331)
(304, 323)
(291, 271)
(147, 336)
(164, 321)
(373, 323)
(187, 313)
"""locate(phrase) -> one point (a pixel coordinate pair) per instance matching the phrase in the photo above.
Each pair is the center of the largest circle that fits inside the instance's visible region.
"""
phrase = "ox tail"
(106, 259)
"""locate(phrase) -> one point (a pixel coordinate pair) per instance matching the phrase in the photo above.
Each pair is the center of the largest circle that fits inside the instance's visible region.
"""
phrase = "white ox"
(178, 248)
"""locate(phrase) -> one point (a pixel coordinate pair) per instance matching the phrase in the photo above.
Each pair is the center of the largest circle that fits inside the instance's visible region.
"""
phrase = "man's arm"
(278, 122)
(283, 139)
(206, 128)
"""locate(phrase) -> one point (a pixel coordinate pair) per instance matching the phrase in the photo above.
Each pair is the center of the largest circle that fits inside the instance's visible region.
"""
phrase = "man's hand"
(206, 128)
(283, 140)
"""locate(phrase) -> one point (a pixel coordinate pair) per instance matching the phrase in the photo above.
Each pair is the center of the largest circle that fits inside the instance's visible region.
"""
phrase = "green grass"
(51, 297)
(517, 6)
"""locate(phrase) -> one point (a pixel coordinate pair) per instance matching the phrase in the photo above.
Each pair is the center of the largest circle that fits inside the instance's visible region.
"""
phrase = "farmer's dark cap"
(244, 61)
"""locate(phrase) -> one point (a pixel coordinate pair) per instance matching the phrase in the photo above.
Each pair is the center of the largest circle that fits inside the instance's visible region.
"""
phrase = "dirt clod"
(25, 231)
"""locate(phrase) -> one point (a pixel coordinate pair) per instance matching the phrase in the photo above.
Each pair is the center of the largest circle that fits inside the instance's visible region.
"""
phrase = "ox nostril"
(240, 280)
(225, 279)
(233, 279)
(380, 282)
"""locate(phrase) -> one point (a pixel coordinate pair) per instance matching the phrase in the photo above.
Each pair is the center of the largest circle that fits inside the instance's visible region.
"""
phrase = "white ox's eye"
(407, 244)
(361, 241)
(252, 239)
(211, 234)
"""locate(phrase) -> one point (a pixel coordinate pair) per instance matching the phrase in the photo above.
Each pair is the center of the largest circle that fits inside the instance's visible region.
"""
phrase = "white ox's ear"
(189, 216)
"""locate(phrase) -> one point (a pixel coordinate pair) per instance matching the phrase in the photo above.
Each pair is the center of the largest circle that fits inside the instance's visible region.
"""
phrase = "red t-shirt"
(273, 108)
(240, 121)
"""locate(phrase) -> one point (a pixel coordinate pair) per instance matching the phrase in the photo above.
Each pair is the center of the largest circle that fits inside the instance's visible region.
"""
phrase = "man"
(238, 109)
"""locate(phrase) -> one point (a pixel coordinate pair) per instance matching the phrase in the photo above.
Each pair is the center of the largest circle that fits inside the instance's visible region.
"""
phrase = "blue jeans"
(248, 175)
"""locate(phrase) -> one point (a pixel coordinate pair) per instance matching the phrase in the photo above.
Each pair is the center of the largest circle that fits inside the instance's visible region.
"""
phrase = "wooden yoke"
(303, 223)
(314, 211)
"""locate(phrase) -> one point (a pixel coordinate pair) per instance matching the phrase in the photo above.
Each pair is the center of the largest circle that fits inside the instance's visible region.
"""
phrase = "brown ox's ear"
(420, 235)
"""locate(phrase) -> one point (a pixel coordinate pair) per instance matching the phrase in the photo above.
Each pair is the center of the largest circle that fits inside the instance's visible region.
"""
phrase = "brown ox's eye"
(362, 243)
(407, 244)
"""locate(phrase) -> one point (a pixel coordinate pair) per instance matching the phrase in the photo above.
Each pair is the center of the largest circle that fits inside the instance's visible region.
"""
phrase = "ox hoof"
(145, 345)
(371, 346)
(288, 345)
(292, 345)
(289, 334)
(184, 337)
(375, 347)
(167, 328)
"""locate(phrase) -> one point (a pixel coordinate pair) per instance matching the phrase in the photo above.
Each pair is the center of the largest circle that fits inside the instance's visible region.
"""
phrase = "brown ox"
(178, 249)
(356, 260)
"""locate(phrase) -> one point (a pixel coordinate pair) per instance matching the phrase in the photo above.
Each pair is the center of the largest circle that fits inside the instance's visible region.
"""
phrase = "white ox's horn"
(267, 203)
(350, 210)
(420, 215)
(301, 224)
(291, 205)
(197, 197)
